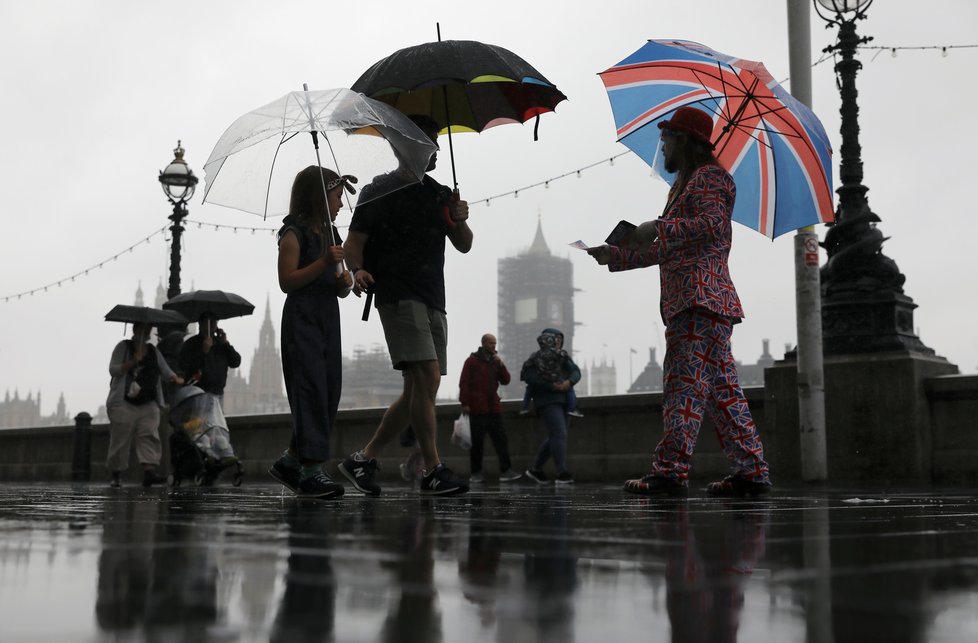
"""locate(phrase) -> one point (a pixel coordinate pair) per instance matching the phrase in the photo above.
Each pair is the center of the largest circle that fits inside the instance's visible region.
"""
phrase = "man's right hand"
(601, 254)
(458, 209)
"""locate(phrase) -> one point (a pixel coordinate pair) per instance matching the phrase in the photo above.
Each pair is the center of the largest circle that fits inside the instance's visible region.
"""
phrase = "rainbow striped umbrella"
(774, 146)
(464, 85)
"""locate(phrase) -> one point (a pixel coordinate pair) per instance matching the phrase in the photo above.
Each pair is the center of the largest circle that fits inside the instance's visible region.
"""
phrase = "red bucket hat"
(691, 121)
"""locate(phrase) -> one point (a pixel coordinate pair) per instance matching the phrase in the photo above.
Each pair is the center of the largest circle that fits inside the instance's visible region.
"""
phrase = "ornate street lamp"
(864, 308)
(179, 183)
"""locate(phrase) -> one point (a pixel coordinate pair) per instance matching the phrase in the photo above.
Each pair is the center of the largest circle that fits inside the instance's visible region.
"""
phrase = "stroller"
(200, 446)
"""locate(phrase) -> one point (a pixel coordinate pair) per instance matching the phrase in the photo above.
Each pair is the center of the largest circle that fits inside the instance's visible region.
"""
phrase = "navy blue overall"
(311, 352)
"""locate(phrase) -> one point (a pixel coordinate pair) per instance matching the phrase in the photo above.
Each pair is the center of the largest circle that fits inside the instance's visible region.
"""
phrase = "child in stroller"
(200, 446)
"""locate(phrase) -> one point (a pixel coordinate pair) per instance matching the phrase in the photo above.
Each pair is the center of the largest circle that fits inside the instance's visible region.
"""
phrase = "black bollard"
(81, 459)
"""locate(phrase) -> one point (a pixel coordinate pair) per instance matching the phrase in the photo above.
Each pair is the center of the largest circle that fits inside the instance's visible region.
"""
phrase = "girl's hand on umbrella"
(176, 379)
(345, 279)
(601, 254)
(335, 254)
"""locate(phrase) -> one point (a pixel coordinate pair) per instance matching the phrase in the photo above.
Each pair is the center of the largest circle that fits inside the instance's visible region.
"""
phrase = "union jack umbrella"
(774, 146)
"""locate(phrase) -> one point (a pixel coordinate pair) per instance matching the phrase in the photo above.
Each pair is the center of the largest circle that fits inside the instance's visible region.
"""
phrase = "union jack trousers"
(700, 378)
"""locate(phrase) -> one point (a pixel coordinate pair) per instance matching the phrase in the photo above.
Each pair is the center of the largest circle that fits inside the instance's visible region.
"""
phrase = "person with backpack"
(550, 373)
(134, 403)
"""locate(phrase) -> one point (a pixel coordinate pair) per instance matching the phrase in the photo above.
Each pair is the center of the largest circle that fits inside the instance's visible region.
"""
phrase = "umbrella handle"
(319, 163)
(451, 148)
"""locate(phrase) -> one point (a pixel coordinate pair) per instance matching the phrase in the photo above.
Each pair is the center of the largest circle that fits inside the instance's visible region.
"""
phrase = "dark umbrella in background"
(144, 315)
(464, 85)
(222, 305)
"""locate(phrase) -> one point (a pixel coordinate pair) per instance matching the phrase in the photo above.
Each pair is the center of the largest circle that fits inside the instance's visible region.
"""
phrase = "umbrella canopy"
(485, 85)
(144, 315)
(253, 165)
(774, 146)
(464, 85)
(223, 305)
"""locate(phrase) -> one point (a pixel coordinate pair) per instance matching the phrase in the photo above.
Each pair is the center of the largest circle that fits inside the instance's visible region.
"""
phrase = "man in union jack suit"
(690, 243)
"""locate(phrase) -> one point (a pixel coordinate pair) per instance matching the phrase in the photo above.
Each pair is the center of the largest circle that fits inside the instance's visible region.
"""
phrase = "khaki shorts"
(415, 333)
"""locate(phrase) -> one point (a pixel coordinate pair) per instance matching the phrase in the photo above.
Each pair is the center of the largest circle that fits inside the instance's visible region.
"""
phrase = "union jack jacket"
(692, 247)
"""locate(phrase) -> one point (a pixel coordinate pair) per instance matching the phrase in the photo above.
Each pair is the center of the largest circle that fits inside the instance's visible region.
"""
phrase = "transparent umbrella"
(252, 166)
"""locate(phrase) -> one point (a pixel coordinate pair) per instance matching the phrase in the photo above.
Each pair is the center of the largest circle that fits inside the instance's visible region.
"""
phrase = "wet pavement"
(515, 563)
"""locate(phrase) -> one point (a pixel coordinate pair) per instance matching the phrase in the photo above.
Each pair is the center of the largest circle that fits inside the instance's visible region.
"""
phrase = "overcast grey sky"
(96, 94)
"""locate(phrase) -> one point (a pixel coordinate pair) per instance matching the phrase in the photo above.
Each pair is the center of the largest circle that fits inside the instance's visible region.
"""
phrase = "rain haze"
(96, 95)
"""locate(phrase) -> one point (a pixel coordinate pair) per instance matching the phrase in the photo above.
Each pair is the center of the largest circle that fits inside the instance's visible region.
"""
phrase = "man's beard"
(670, 164)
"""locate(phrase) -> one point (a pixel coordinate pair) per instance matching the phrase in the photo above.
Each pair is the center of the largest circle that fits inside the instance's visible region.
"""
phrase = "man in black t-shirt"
(396, 249)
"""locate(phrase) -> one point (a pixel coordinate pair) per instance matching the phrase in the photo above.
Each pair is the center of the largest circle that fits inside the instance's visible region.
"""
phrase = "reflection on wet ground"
(513, 564)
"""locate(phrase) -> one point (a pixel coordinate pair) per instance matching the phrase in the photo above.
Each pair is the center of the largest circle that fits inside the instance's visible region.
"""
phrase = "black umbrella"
(223, 305)
(463, 85)
(144, 315)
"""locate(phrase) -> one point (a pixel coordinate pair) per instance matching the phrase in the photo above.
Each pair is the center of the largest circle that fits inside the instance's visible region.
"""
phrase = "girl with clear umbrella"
(308, 258)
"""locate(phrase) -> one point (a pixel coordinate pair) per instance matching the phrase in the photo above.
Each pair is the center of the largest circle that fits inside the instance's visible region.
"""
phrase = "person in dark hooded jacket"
(549, 395)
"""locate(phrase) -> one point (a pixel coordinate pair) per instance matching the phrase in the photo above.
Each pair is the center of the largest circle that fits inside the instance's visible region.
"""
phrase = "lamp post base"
(869, 323)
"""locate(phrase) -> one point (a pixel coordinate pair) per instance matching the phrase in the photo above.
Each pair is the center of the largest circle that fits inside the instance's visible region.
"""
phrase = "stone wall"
(613, 441)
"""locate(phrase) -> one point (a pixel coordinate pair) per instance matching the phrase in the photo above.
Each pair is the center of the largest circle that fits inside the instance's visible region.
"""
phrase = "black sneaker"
(116, 481)
(151, 477)
(442, 482)
(653, 485)
(537, 476)
(738, 487)
(285, 475)
(319, 485)
(361, 474)
(564, 478)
